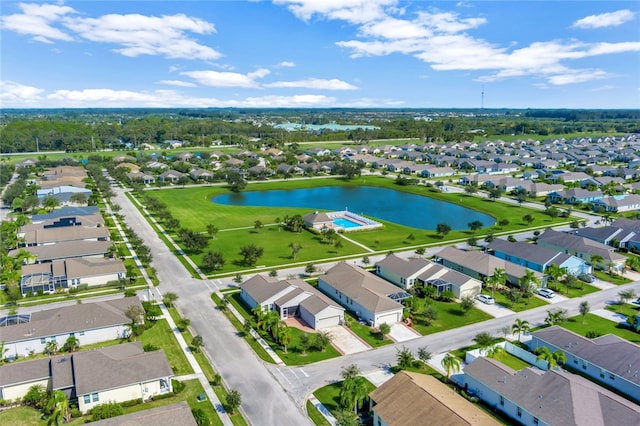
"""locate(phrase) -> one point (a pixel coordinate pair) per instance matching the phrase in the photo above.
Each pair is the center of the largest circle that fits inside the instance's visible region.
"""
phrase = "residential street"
(264, 400)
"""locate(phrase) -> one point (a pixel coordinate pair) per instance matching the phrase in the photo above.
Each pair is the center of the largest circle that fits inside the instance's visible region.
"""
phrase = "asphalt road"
(265, 402)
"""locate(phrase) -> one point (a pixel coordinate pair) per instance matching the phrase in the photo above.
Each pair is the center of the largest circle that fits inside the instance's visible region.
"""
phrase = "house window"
(43, 340)
(53, 339)
(612, 377)
(602, 374)
(501, 401)
(575, 361)
(95, 397)
(72, 334)
(87, 399)
(535, 421)
(584, 365)
(82, 333)
(519, 413)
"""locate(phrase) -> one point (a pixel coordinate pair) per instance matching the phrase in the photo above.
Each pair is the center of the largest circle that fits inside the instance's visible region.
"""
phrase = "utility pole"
(482, 99)
(37, 145)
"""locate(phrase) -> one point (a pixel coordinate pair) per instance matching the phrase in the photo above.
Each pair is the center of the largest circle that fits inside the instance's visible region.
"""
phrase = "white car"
(486, 299)
(545, 292)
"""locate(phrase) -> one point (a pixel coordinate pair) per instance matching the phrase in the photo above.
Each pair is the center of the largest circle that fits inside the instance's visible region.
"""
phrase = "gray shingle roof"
(178, 414)
(74, 318)
(402, 267)
(578, 244)
(66, 250)
(555, 397)
(610, 352)
(531, 252)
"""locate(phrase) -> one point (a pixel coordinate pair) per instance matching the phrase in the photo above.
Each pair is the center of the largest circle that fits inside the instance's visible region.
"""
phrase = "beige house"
(111, 374)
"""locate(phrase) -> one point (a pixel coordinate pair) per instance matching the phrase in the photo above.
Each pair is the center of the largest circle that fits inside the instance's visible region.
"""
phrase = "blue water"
(345, 223)
(402, 208)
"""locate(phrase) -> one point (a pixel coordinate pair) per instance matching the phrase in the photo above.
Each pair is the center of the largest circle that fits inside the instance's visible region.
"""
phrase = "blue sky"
(320, 53)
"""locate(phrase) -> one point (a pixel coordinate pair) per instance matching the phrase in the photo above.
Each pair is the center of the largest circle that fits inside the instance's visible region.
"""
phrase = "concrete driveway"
(496, 310)
(401, 333)
(345, 341)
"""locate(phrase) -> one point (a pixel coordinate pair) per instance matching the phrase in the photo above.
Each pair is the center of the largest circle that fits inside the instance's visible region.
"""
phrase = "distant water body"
(412, 210)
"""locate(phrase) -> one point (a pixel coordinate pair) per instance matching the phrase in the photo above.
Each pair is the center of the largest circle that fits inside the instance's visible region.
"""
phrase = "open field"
(195, 211)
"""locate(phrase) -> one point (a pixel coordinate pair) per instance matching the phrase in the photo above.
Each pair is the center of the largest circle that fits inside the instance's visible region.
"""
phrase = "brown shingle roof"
(410, 399)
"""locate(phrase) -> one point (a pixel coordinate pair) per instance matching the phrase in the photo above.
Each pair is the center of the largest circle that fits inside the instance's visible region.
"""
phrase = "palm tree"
(71, 344)
(555, 272)
(494, 351)
(58, 406)
(553, 358)
(450, 363)
(50, 348)
(584, 309)
(284, 337)
(353, 391)
(499, 277)
(520, 326)
(529, 278)
(261, 316)
(595, 260)
(295, 248)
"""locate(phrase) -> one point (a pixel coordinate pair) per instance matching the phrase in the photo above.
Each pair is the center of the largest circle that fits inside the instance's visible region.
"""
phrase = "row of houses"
(66, 248)
(88, 378)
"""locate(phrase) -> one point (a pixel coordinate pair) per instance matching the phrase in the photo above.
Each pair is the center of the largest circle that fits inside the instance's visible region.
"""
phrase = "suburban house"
(62, 193)
(609, 359)
(583, 248)
(67, 211)
(111, 374)
(171, 176)
(607, 235)
(534, 397)
(537, 257)
(63, 274)
(176, 414)
(89, 322)
(318, 221)
(292, 298)
(58, 234)
(410, 399)
(575, 195)
(619, 204)
(64, 250)
(141, 177)
(406, 273)
(369, 297)
(481, 265)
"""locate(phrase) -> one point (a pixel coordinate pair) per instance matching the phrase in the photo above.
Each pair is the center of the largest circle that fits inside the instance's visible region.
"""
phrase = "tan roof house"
(412, 399)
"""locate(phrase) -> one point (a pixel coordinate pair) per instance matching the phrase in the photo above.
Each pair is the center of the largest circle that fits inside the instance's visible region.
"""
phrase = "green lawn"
(511, 361)
(195, 210)
(161, 336)
(315, 416)
(523, 305)
(365, 332)
(329, 395)
(21, 416)
(625, 309)
(450, 316)
(615, 279)
(584, 289)
(601, 326)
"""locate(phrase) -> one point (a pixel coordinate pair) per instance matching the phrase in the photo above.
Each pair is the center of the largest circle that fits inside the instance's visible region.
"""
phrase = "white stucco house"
(292, 298)
(369, 297)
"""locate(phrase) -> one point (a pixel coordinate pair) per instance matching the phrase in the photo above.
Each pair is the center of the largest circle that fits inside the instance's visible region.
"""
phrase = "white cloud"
(227, 79)
(314, 83)
(286, 64)
(178, 83)
(37, 21)
(610, 19)
(12, 93)
(16, 95)
(441, 39)
(135, 34)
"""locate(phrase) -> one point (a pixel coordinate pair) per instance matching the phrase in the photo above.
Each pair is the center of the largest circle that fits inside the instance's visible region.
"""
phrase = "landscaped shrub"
(200, 417)
(591, 334)
(150, 347)
(162, 396)
(75, 413)
(106, 410)
(131, 402)
(177, 386)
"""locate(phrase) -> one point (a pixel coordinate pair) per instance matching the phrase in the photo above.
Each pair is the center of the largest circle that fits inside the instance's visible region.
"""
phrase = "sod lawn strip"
(329, 395)
(365, 332)
(595, 323)
(161, 336)
(315, 416)
(615, 279)
(582, 290)
(450, 316)
(524, 304)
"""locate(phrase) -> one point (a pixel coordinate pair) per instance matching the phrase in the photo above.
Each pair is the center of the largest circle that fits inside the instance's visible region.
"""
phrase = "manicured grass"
(195, 210)
(329, 395)
(366, 333)
(511, 361)
(161, 336)
(450, 316)
(21, 416)
(601, 326)
(523, 305)
(615, 279)
(625, 309)
(583, 290)
(315, 416)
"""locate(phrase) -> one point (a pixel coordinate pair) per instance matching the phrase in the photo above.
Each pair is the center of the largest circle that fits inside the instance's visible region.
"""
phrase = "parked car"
(636, 302)
(587, 278)
(486, 299)
(546, 292)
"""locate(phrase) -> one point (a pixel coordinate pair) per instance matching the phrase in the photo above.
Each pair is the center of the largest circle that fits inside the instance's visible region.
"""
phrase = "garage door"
(327, 322)
(390, 318)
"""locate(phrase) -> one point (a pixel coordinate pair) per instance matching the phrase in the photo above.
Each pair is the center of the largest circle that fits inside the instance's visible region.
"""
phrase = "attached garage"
(392, 317)
(320, 314)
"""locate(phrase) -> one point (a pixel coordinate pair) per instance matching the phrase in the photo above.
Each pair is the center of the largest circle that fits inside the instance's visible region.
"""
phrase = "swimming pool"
(345, 223)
